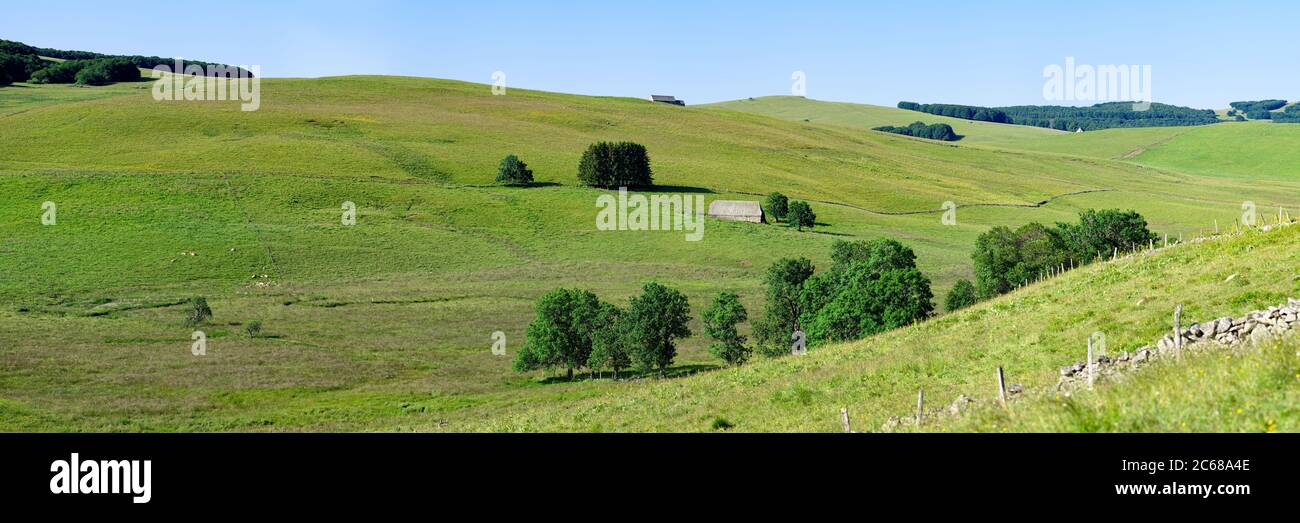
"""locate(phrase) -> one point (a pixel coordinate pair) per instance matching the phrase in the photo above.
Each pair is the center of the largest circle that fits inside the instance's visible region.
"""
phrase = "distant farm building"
(663, 99)
(737, 211)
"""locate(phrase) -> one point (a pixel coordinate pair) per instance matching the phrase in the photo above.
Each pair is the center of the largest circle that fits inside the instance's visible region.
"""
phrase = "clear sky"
(1201, 54)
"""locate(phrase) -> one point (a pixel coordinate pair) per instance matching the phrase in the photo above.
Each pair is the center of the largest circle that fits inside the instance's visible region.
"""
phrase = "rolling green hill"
(1030, 333)
(861, 116)
(387, 323)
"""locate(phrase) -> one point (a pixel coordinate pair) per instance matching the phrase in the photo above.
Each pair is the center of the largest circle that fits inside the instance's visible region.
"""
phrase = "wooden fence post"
(1002, 388)
(1090, 372)
(920, 402)
(1178, 332)
(844, 416)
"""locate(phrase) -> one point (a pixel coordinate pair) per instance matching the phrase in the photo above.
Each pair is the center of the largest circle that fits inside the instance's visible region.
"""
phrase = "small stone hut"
(737, 211)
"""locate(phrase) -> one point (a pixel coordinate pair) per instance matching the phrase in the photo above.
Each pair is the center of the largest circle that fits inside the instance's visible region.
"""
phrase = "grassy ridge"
(1030, 333)
(861, 116)
(1249, 390)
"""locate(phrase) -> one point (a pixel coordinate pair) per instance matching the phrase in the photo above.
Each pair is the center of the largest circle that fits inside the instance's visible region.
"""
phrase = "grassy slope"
(862, 116)
(398, 310)
(1249, 390)
(1246, 150)
(1110, 143)
(1253, 150)
(1030, 333)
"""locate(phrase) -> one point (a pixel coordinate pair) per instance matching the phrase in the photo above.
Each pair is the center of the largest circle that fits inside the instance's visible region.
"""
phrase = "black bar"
(320, 472)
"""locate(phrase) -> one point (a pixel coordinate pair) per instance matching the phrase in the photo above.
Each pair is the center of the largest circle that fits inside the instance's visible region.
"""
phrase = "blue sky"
(981, 53)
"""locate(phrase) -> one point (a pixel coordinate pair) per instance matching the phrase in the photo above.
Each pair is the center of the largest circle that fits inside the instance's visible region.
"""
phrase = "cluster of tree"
(19, 67)
(1099, 116)
(1290, 115)
(102, 65)
(965, 112)
(1259, 114)
(513, 171)
(1258, 105)
(575, 329)
(615, 164)
(871, 286)
(1005, 259)
(105, 71)
(938, 131)
(99, 71)
(796, 214)
(962, 295)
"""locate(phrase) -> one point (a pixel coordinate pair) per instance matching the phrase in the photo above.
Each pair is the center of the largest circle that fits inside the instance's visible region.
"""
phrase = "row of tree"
(871, 286)
(1290, 115)
(1258, 105)
(938, 131)
(1005, 259)
(575, 329)
(99, 71)
(19, 68)
(20, 62)
(1099, 116)
(965, 112)
(143, 62)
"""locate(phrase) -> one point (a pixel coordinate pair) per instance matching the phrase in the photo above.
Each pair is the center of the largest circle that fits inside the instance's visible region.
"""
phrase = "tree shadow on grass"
(828, 233)
(680, 371)
(677, 188)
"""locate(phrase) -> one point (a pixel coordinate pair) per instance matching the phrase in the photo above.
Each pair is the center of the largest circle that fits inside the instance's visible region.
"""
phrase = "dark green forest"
(1096, 117)
(20, 62)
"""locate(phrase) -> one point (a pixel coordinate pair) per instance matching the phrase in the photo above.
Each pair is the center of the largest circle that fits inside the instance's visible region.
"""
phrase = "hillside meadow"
(386, 324)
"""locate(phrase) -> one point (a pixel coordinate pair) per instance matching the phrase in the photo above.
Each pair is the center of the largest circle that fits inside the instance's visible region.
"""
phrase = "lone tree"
(800, 215)
(655, 320)
(561, 334)
(609, 341)
(615, 164)
(961, 296)
(777, 205)
(720, 321)
(197, 312)
(785, 282)
(513, 171)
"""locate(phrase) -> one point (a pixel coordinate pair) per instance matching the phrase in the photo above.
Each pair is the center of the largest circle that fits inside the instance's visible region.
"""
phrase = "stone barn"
(737, 211)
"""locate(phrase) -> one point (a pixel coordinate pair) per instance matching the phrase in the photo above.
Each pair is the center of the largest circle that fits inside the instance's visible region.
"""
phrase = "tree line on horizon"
(1099, 116)
(20, 62)
(1006, 259)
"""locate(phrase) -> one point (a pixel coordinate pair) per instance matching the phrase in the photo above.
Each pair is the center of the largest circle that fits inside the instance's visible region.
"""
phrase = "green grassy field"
(386, 325)
(862, 116)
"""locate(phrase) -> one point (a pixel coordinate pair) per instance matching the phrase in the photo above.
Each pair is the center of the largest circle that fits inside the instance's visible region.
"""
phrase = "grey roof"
(735, 208)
